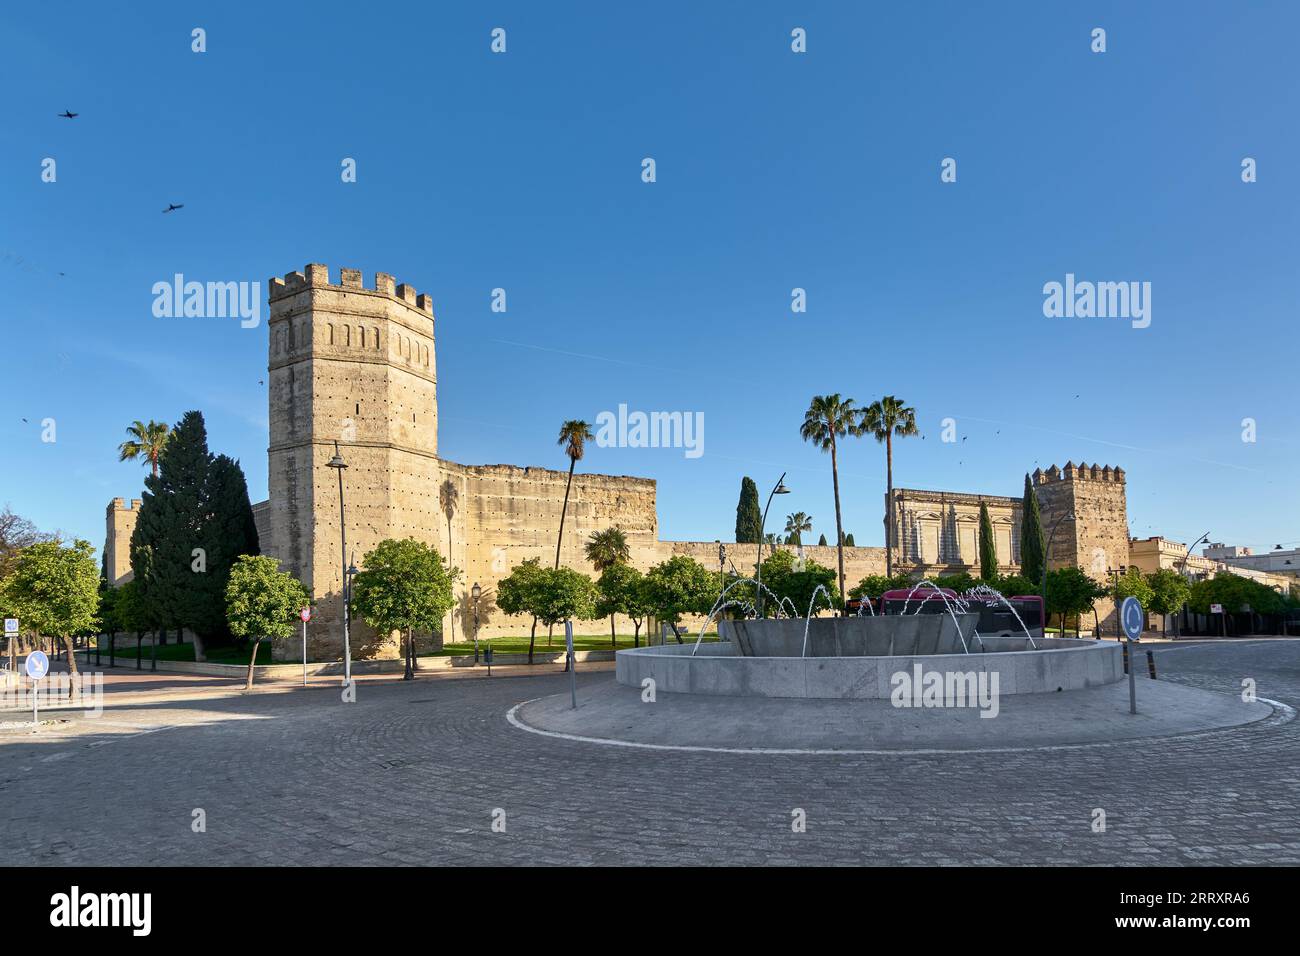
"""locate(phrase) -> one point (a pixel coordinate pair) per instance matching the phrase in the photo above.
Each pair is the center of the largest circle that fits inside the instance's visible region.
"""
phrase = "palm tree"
(830, 417)
(574, 435)
(448, 496)
(607, 548)
(795, 525)
(883, 420)
(146, 442)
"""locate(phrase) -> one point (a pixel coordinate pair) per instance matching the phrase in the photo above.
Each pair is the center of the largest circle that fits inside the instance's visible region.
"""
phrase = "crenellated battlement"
(1080, 472)
(317, 276)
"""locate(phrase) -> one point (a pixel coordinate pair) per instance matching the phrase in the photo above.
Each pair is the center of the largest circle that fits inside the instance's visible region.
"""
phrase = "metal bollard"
(1151, 664)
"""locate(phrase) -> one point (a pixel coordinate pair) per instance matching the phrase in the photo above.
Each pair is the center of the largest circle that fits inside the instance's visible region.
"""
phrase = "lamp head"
(337, 461)
(475, 591)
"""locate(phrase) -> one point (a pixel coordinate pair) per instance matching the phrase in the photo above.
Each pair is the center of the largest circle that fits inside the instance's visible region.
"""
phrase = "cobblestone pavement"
(412, 773)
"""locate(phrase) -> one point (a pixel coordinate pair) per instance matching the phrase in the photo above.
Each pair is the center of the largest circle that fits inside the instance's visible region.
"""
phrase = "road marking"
(1230, 642)
(1282, 714)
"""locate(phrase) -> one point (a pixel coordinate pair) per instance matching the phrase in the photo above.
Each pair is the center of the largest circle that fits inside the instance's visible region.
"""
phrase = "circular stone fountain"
(919, 682)
(858, 657)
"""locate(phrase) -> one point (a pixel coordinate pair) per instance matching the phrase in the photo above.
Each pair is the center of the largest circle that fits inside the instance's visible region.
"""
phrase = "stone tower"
(352, 365)
(1097, 539)
(120, 522)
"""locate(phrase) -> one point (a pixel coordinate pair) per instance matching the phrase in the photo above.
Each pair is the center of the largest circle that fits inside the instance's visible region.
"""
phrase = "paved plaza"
(415, 773)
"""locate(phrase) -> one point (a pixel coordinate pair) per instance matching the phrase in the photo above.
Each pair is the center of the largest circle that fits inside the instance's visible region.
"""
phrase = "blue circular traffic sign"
(37, 665)
(1132, 618)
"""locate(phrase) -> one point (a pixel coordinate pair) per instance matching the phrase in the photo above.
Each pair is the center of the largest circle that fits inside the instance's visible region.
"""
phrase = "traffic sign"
(11, 626)
(1132, 618)
(1216, 608)
(305, 614)
(37, 665)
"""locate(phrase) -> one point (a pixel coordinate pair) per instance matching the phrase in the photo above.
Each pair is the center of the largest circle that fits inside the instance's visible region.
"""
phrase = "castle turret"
(120, 519)
(1097, 539)
(351, 365)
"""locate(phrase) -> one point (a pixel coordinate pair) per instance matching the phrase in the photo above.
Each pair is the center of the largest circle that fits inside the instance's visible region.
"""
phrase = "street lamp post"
(475, 592)
(347, 616)
(339, 465)
(778, 489)
(1182, 569)
(722, 569)
(1068, 516)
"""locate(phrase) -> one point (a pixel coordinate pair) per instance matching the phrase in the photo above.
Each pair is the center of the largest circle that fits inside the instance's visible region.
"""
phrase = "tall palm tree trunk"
(889, 505)
(839, 527)
(550, 630)
(567, 485)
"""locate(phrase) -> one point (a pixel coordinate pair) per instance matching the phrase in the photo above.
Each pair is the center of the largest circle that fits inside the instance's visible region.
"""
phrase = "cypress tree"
(848, 540)
(749, 517)
(172, 512)
(228, 531)
(1032, 547)
(821, 542)
(988, 548)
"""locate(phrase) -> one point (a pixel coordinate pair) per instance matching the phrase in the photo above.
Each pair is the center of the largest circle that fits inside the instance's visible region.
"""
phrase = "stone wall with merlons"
(355, 365)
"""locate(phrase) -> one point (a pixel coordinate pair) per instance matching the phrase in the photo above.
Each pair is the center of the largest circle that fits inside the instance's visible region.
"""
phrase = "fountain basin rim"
(1059, 663)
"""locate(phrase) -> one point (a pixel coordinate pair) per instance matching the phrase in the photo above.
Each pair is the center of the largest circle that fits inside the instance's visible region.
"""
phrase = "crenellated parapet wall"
(1081, 472)
(317, 276)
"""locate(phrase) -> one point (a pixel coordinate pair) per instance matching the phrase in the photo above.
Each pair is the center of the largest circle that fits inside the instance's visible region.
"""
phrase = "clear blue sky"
(775, 170)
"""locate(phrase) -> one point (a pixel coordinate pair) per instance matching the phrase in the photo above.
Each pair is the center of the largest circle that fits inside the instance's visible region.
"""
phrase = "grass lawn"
(125, 650)
(518, 644)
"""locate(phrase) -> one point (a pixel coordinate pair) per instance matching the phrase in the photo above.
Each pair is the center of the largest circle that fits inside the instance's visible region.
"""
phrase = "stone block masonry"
(120, 525)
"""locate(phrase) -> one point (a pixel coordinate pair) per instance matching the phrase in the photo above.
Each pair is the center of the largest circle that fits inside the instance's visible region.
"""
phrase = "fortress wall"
(262, 522)
(507, 514)
(357, 366)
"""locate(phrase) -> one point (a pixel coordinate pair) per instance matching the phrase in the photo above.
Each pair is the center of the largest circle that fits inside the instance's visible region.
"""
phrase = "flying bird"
(171, 207)
(68, 114)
